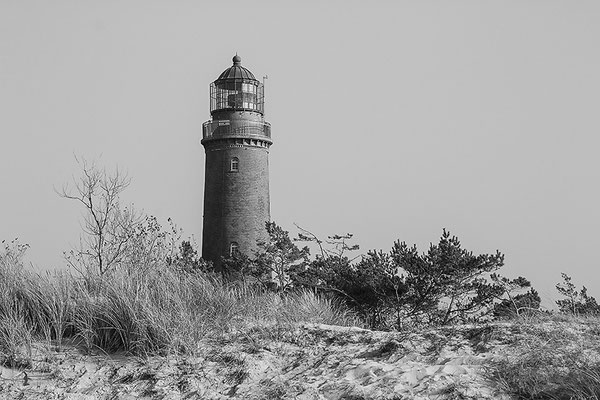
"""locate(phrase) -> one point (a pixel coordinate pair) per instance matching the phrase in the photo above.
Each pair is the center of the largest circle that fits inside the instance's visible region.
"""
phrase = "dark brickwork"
(236, 203)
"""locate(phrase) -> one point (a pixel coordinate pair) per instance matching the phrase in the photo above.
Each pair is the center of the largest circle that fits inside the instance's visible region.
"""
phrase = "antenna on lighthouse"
(264, 79)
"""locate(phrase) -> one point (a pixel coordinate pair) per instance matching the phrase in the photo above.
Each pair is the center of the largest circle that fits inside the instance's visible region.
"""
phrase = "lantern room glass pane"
(236, 95)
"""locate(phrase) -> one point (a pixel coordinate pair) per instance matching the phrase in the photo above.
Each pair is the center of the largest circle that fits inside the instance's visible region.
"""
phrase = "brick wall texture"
(236, 204)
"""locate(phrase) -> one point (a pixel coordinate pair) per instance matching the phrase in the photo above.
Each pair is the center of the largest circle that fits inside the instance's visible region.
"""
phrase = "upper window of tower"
(234, 164)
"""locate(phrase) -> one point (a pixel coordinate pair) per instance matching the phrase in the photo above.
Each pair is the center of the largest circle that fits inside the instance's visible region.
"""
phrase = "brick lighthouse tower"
(236, 183)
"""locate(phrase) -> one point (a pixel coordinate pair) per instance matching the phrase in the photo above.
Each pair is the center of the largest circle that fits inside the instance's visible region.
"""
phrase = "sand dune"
(310, 362)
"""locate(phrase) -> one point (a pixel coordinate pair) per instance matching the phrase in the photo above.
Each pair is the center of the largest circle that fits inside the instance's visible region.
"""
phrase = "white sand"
(316, 362)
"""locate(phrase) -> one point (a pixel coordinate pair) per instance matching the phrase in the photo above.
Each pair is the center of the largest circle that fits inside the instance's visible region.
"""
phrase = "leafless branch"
(105, 226)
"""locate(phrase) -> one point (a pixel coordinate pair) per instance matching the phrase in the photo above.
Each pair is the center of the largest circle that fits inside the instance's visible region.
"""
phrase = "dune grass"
(154, 311)
(554, 356)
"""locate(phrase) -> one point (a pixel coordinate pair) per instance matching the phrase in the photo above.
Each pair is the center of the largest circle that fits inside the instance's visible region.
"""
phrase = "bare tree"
(107, 227)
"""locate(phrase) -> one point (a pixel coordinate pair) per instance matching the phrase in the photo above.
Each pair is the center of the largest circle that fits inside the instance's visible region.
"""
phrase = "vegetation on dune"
(575, 302)
(156, 309)
(401, 288)
(138, 288)
(553, 356)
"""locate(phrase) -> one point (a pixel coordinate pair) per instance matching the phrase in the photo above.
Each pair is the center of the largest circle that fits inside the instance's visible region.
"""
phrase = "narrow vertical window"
(233, 249)
(234, 164)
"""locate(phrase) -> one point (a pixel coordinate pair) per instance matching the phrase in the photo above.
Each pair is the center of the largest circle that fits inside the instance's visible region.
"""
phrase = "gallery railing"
(235, 128)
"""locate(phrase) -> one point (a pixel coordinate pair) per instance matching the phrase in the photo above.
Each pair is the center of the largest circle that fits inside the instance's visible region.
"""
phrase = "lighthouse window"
(234, 164)
(234, 249)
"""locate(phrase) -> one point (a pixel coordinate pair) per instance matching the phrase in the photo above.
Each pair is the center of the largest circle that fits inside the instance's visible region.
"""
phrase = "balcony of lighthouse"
(240, 129)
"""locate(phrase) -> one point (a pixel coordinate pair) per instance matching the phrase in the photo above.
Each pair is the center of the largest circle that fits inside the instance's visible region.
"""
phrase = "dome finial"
(237, 60)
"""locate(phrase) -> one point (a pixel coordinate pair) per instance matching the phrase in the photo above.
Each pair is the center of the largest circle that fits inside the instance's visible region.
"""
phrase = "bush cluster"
(447, 284)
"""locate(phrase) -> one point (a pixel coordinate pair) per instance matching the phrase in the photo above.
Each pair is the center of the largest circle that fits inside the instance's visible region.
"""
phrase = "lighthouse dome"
(236, 71)
(236, 89)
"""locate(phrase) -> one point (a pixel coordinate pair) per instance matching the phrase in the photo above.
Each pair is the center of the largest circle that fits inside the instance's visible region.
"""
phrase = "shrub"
(446, 284)
(551, 362)
(577, 303)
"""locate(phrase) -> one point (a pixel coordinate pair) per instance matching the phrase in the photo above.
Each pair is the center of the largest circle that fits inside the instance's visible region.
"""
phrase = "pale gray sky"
(391, 119)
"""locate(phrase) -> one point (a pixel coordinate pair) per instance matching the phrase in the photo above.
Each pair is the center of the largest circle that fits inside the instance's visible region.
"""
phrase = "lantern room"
(236, 89)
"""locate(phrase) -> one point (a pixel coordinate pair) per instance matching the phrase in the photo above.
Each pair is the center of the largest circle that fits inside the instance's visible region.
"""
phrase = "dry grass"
(555, 357)
(155, 311)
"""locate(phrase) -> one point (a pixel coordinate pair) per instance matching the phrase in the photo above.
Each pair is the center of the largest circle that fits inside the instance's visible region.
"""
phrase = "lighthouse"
(236, 141)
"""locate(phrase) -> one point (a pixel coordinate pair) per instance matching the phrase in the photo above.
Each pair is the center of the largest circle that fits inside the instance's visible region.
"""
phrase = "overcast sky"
(391, 119)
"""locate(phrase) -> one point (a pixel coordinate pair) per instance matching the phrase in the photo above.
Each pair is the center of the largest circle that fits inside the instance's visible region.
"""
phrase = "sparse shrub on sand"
(558, 356)
(575, 302)
(552, 358)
